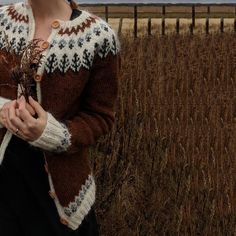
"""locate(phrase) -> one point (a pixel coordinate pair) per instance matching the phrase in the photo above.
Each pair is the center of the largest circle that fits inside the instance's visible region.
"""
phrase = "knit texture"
(55, 137)
(78, 89)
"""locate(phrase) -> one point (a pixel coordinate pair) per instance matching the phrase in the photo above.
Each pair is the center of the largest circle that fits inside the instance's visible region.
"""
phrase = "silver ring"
(17, 130)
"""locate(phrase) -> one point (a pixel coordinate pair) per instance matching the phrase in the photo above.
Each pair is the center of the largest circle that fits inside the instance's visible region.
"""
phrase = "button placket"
(45, 45)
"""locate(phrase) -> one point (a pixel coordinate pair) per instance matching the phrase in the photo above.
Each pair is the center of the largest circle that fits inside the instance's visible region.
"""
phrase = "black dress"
(26, 209)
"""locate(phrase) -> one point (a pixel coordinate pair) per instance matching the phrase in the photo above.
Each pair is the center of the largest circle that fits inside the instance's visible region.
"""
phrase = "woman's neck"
(50, 9)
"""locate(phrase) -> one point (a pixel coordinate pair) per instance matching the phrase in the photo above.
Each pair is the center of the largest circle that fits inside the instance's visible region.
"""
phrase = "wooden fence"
(163, 17)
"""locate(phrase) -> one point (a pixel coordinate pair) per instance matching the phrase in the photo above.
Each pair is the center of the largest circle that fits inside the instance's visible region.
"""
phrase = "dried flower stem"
(24, 72)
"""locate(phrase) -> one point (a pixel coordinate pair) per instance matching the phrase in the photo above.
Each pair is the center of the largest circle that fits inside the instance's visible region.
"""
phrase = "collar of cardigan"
(22, 13)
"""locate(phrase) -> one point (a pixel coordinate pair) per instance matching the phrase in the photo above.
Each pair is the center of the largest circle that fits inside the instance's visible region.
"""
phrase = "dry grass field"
(169, 166)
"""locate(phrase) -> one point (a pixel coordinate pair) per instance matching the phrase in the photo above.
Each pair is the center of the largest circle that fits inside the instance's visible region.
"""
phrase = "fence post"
(222, 25)
(191, 28)
(120, 25)
(208, 10)
(149, 26)
(163, 26)
(106, 13)
(235, 24)
(177, 25)
(207, 25)
(193, 15)
(163, 10)
(135, 21)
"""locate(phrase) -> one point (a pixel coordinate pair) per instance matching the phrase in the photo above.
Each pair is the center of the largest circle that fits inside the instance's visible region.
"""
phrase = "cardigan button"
(64, 221)
(45, 45)
(52, 194)
(37, 77)
(55, 24)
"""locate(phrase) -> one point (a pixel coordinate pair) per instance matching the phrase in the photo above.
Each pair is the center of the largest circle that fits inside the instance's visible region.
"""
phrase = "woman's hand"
(20, 118)
(4, 113)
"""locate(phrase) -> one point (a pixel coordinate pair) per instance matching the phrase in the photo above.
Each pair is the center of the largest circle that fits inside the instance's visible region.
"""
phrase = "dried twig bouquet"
(23, 73)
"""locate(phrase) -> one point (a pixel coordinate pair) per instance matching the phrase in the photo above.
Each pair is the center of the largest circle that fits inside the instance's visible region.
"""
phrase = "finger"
(17, 104)
(12, 115)
(30, 109)
(25, 115)
(17, 113)
(37, 107)
(16, 121)
(23, 112)
(4, 113)
(21, 135)
(20, 101)
(3, 121)
(11, 112)
(9, 117)
(3, 116)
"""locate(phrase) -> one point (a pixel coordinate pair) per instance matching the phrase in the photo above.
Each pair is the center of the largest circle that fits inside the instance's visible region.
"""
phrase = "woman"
(47, 185)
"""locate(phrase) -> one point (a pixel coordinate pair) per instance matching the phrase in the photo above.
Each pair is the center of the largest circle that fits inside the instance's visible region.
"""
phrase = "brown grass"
(168, 167)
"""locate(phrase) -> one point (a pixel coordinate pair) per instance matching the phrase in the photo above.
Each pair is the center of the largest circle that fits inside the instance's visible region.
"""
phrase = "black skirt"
(25, 206)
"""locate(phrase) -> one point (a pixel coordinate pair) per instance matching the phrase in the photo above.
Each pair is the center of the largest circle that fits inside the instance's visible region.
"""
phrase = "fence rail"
(163, 14)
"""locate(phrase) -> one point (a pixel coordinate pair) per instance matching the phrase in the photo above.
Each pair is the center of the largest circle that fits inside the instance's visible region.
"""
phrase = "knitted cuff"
(2, 102)
(55, 137)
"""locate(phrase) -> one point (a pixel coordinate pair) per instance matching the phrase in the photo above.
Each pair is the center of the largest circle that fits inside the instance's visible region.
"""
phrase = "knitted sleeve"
(96, 115)
(55, 137)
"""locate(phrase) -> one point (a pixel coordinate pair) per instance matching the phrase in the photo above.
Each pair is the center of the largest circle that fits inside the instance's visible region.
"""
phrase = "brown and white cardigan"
(77, 84)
